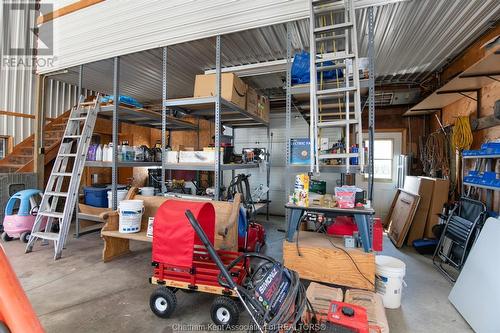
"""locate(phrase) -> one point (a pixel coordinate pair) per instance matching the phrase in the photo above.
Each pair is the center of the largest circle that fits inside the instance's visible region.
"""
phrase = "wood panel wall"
(391, 119)
(467, 107)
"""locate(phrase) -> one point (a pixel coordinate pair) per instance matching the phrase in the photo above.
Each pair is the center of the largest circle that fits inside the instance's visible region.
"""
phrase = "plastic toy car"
(20, 214)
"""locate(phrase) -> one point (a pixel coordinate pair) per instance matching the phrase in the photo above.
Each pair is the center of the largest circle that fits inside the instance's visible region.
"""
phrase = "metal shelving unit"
(208, 167)
(107, 164)
(223, 112)
(482, 163)
(303, 90)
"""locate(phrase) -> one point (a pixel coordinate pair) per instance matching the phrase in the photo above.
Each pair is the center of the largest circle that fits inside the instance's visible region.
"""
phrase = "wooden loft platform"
(144, 117)
(231, 114)
(466, 84)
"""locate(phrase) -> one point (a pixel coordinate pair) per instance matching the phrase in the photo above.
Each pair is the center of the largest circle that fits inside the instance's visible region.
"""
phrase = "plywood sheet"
(322, 258)
(401, 215)
(424, 188)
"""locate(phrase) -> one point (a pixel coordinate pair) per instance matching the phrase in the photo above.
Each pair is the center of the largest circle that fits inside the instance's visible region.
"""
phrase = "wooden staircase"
(21, 158)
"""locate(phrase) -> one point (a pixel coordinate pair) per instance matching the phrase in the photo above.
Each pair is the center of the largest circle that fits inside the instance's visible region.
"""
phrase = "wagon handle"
(213, 254)
(215, 257)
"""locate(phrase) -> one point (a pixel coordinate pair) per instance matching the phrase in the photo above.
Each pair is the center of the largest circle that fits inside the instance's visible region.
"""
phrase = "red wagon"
(181, 261)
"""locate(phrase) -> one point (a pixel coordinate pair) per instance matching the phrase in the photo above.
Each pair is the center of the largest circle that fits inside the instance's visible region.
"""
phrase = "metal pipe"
(80, 81)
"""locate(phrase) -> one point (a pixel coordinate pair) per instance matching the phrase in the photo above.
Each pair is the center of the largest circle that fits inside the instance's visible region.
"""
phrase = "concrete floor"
(80, 293)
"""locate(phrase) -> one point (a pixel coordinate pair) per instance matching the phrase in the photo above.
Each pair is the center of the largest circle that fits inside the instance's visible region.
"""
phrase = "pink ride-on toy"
(20, 214)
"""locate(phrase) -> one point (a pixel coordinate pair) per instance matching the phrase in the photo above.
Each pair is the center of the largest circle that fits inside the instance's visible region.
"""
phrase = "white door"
(386, 152)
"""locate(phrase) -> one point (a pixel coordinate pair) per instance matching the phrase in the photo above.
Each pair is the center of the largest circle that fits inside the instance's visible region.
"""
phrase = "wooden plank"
(401, 215)
(67, 10)
(200, 287)
(21, 115)
(137, 236)
(323, 258)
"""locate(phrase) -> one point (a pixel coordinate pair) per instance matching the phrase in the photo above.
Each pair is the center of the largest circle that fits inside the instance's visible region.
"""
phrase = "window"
(382, 159)
(3, 148)
(5, 145)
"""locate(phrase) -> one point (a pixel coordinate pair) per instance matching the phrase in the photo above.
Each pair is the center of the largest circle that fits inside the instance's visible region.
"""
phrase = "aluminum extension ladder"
(65, 176)
(334, 46)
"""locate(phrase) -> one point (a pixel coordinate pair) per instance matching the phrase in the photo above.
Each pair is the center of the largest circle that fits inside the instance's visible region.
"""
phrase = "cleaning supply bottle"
(105, 150)
(98, 153)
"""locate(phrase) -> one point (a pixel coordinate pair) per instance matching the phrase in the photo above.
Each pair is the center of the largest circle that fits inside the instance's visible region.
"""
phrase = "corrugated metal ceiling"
(412, 39)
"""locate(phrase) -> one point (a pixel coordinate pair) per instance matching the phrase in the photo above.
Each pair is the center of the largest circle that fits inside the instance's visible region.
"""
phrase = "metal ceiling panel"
(412, 39)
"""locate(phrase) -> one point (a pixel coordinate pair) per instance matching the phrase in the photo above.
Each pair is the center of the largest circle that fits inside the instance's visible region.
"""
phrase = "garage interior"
(357, 178)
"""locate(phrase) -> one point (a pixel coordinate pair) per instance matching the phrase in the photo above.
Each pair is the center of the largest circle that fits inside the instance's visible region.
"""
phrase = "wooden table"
(362, 216)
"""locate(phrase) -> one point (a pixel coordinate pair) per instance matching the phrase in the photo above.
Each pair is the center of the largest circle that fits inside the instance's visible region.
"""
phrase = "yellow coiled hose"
(461, 137)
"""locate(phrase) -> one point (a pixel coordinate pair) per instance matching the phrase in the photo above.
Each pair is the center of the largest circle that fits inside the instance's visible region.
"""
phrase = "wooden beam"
(470, 56)
(67, 10)
(38, 153)
(20, 115)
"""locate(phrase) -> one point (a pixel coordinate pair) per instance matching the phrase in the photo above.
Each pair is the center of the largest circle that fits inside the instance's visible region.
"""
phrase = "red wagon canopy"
(174, 239)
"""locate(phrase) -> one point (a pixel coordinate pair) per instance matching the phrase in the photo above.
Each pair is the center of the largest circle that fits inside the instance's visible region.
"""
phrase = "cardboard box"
(320, 296)
(233, 89)
(321, 261)
(197, 157)
(252, 101)
(424, 188)
(172, 156)
(438, 200)
(264, 107)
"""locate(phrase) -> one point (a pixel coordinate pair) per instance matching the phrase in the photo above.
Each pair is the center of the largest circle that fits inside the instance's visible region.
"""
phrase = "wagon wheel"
(163, 302)
(225, 312)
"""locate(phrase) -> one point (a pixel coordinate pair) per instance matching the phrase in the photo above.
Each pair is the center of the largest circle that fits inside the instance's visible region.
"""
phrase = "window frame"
(383, 180)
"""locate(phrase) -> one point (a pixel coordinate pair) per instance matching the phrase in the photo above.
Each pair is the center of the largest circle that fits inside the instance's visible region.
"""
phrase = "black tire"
(5, 237)
(163, 302)
(225, 312)
(25, 236)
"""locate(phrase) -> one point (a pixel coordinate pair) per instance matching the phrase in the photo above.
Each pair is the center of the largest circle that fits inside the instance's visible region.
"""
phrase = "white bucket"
(390, 273)
(148, 191)
(130, 216)
(120, 195)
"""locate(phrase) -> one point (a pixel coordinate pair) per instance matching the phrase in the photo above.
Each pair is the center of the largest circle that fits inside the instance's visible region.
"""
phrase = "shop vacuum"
(276, 299)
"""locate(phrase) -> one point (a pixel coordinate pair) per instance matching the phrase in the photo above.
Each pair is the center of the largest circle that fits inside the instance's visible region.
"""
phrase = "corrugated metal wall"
(116, 27)
(59, 97)
(257, 137)
(17, 86)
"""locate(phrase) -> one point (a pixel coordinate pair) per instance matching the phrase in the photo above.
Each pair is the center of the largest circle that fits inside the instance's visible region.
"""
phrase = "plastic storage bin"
(96, 196)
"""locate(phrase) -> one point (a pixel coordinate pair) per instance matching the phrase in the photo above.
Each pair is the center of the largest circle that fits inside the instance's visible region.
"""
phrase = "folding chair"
(462, 227)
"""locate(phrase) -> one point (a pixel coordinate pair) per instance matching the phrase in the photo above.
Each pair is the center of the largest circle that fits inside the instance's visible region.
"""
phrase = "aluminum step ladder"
(64, 181)
(334, 47)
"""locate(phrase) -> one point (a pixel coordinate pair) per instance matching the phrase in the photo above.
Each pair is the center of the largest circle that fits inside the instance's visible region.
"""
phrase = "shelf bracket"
(465, 95)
